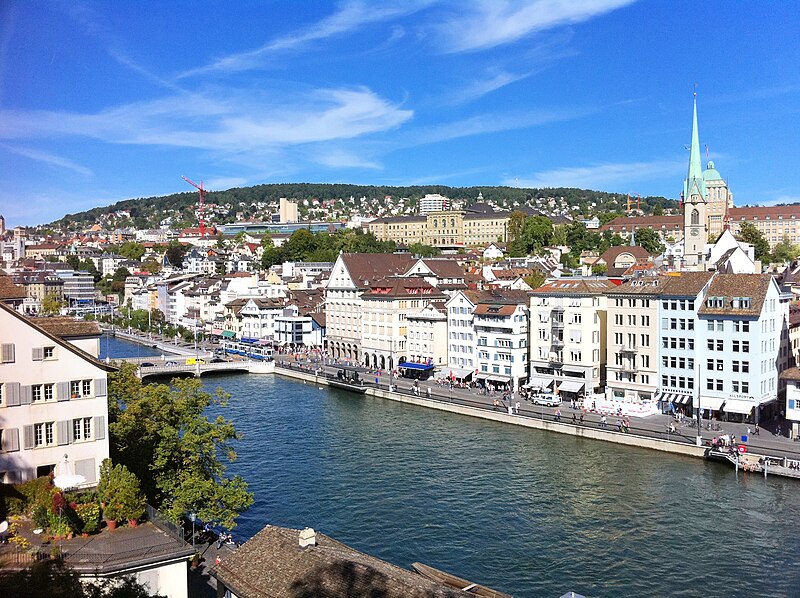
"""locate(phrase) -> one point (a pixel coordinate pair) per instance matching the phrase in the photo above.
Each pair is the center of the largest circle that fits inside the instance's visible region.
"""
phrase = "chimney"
(308, 537)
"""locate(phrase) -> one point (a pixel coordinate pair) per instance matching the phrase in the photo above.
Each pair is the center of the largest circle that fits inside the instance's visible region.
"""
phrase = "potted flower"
(123, 495)
(89, 514)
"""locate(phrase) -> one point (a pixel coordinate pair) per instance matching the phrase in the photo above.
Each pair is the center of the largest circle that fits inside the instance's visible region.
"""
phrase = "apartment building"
(351, 277)
(384, 317)
(741, 322)
(568, 336)
(500, 321)
(461, 347)
(680, 344)
(53, 398)
(427, 334)
(632, 334)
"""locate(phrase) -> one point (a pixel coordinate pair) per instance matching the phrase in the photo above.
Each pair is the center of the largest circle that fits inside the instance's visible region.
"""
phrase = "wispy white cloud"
(482, 87)
(491, 23)
(341, 158)
(780, 199)
(599, 176)
(47, 158)
(222, 183)
(239, 122)
(350, 16)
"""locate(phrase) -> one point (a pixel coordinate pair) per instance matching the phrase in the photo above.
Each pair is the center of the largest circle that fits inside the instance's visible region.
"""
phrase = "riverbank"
(527, 416)
(156, 342)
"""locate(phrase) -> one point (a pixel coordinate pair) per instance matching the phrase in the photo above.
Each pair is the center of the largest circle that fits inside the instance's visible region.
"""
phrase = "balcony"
(557, 342)
(556, 359)
(629, 367)
(629, 348)
(557, 324)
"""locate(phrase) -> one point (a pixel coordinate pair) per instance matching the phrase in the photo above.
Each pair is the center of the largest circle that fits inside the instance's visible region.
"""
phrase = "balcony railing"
(629, 348)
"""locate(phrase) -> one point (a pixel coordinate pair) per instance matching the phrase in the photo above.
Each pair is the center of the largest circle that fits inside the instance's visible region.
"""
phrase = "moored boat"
(458, 583)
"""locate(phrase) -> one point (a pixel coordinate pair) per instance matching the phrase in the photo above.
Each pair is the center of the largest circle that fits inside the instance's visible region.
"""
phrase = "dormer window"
(715, 302)
(741, 303)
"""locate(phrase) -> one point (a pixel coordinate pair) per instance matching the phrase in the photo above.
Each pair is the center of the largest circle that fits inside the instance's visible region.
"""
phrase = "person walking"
(516, 406)
(603, 422)
(558, 415)
(574, 419)
(581, 419)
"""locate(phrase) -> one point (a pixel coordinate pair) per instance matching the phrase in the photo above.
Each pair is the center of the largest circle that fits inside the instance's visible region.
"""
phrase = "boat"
(458, 583)
(347, 379)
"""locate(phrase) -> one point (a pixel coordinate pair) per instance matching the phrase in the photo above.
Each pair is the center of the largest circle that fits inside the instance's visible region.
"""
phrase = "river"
(520, 510)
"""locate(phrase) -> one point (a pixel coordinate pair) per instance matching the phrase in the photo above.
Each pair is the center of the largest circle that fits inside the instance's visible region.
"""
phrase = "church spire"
(695, 185)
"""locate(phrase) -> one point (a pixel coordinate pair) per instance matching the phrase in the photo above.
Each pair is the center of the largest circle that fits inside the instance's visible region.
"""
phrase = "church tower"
(695, 224)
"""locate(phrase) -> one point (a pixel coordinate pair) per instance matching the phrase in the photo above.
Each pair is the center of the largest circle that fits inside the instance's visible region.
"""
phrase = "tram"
(252, 348)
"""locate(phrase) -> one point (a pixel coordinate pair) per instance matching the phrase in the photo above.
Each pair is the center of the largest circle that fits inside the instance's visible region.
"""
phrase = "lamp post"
(699, 423)
(192, 518)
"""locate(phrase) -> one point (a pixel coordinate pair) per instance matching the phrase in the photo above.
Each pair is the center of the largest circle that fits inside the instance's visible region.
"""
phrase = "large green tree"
(648, 239)
(132, 250)
(162, 434)
(785, 251)
(750, 234)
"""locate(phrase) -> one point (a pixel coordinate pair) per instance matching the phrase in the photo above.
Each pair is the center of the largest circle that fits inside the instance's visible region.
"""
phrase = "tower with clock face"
(695, 224)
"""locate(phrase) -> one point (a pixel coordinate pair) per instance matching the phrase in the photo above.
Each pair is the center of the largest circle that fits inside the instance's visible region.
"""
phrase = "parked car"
(217, 360)
(549, 400)
(147, 364)
(171, 363)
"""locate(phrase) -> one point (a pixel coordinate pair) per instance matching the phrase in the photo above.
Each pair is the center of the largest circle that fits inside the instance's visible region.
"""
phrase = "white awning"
(460, 373)
(713, 403)
(738, 406)
(496, 378)
(538, 383)
(570, 386)
(681, 399)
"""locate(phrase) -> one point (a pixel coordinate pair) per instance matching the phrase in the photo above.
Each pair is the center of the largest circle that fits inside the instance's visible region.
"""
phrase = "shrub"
(123, 495)
(89, 515)
(34, 492)
(41, 517)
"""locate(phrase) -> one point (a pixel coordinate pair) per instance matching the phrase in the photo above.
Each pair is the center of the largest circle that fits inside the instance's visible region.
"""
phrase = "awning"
(415, 366)
(249, 340)
(459, 373)
(713, 403)
(264, 341)
(738, 406)
(216, 331)
(494, 378)
(570, 386)
(228, 334)
(538, 383)
(682, 399)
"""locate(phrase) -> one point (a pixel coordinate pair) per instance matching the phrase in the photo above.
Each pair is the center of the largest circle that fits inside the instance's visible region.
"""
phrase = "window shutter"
(28, 433)
(63, 391)
(64, 432)
(99, 427)
(11, 438)
(7, 352)
(38, 354)
(100, 387)
(12, 392)
(86, 468)
(25, 395)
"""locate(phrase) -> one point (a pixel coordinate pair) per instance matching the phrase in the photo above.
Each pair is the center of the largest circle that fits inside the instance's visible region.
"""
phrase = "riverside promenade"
(650, 432)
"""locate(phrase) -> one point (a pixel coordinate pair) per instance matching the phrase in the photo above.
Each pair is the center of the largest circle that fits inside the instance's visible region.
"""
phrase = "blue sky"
(102, 101)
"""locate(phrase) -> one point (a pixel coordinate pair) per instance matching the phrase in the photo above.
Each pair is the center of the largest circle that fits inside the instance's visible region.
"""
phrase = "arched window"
(452, 222)
(435, 223)
(695, 217)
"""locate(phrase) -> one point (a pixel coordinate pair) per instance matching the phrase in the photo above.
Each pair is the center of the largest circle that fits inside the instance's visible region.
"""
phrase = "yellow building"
(455, 228)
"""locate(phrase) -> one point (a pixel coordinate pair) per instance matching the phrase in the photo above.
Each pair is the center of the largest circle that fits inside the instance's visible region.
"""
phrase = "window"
(7, 353)
(74, 389)
(36, 393)
(49, 352)
(746, 346)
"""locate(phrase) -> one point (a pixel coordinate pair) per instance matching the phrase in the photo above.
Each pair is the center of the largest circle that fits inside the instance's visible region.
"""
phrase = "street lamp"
(192, 518)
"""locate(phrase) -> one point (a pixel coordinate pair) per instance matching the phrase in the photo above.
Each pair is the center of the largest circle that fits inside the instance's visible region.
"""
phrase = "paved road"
(654, 426)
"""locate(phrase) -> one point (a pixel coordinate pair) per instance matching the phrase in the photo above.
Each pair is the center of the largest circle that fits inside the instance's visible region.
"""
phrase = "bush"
(35, 493)
(89, 516)
(123, 495)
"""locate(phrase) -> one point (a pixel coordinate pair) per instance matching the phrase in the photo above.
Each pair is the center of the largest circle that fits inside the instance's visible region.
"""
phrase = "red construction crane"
(200, 209)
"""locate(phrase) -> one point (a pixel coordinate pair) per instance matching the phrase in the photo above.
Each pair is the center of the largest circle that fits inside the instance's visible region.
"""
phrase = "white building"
(427, 334)
(500, 320)
(53, 398)
(433, 202)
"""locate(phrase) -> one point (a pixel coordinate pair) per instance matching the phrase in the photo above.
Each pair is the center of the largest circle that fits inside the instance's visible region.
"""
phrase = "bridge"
(153, 366)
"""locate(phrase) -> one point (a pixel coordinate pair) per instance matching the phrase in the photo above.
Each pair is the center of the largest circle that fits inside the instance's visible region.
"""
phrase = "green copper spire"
(695, 184)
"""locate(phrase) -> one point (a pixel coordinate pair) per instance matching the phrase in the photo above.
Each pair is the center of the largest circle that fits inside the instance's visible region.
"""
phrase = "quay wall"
(680, 448)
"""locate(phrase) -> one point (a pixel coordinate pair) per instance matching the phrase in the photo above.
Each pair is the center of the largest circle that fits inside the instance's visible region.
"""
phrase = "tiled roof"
(686, 284)
(732, 286)
(488, 309)
(654, 222)
(498, 297)
(401, 286)
(790, 374)
(9, 290)
(366, 267)
(445, 268)
(588, 286)
(611, 254)
(66, 327)
(273, 565)
(761, 212)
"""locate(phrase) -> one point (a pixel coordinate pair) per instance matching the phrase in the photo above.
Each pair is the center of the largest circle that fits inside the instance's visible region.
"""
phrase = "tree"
(301, 244)
(516, 221)
(750, 234)
(161, 434)
(648, 239)
(607, 217)
(785, 251)
(132, 250)
(175, 252)
(658, 210)
(151, 265)
(535, 280)
(599, 269)
(422, 250)
(537, 232)
(120, 274)
(74, 261)
(51, 304)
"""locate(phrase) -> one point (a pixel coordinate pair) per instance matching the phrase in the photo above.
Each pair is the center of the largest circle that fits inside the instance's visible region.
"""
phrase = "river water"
(524, 511)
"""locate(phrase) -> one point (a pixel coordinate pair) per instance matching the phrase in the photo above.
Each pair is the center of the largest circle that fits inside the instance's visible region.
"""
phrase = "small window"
(49, 352)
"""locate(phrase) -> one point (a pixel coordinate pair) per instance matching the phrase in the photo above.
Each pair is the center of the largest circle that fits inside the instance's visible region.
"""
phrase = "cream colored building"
(384, 319)
(568, 336)
(427, 334)
(287, 210)
(350, 277)
(633, 339)
(444, 229)
(53, 398)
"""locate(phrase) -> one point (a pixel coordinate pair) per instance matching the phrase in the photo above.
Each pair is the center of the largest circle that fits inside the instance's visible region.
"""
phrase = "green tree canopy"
(785, 251)
(750, 234)
(161, 433)
(132, 250)
(120, 274)
(648, 239)
(175, 252)
(422, 250)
